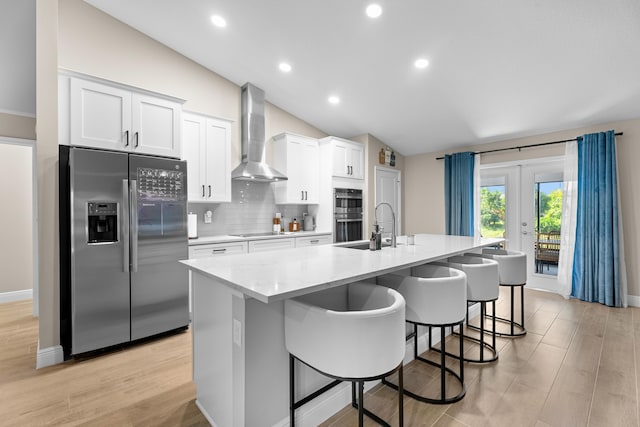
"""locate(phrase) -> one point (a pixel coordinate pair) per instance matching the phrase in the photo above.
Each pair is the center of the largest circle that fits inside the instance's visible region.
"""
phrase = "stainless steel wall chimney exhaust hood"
(253, 166)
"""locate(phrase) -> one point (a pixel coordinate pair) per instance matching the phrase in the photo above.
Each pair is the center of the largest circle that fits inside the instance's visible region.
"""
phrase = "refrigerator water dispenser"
(103, 222)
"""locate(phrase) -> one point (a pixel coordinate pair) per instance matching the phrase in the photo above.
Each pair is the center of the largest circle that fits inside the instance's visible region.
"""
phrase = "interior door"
(523, 204)
(387, 190)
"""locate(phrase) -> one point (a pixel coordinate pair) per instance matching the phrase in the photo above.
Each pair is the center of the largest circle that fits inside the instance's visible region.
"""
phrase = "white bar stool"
(349, 333)
(512, 268)
(482, 287)
(438, 298)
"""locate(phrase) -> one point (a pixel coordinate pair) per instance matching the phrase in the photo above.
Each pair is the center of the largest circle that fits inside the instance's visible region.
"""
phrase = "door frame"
(398, 212)
(31, 143)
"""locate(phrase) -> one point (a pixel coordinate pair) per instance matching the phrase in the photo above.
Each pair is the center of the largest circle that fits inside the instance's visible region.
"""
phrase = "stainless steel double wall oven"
(348, 215)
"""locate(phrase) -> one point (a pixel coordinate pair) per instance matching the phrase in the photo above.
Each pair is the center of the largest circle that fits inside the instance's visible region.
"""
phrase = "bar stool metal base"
(356, 403)
(443, 400)
(513, 333)
(480, 341)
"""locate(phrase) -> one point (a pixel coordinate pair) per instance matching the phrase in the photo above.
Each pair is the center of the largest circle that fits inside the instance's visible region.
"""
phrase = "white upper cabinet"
(297, 157)
(347, 158)
(207, 150)
(116, 118)
(155, 126)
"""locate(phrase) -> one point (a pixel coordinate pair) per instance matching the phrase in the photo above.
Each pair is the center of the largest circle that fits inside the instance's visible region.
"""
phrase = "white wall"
(16, 217)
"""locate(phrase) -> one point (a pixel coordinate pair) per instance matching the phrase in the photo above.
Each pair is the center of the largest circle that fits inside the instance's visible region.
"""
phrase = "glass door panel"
(492, 211)
(524, 202)
(548, 213)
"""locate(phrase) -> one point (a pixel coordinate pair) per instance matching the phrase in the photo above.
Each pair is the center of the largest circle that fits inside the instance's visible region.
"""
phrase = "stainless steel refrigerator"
(123, 228)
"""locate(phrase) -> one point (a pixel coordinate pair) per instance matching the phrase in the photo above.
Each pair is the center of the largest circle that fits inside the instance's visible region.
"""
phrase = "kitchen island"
(240, 364)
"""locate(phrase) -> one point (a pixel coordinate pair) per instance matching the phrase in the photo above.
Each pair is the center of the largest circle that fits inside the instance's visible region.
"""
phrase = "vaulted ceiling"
(498, 69)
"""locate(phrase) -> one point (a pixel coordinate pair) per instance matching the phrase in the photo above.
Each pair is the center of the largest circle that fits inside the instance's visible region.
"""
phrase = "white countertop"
(227, 238)
(276, 275)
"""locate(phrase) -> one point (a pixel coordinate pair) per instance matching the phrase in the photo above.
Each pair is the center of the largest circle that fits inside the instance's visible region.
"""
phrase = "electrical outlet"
(208, 215)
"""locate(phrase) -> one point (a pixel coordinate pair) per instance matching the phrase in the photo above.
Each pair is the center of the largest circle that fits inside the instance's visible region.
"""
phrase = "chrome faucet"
(393, 217)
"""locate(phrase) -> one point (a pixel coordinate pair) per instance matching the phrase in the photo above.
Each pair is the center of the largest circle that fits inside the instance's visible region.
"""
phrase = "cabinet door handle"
(209, 191)
(126, 138)
(314, 242)
(137, 138)
(301, 194)
(219, 251)
(203, 191)
(306, 196)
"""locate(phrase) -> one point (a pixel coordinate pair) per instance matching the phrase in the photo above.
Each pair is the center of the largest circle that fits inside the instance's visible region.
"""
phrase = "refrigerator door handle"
(133, 208)
(124, 225)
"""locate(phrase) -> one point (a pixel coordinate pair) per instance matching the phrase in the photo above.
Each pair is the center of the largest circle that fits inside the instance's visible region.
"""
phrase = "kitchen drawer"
(216, 249)
(271, 244)
(313, 240)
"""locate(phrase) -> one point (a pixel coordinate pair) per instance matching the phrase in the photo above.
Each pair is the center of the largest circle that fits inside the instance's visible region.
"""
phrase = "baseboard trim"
(324, 406)
(633, 301)
(16, 296)
(49, 356)
(206, 414)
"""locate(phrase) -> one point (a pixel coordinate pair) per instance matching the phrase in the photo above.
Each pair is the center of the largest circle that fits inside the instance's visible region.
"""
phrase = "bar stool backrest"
(482, 276)
(512, 266)
(351, 331)
(435, 295)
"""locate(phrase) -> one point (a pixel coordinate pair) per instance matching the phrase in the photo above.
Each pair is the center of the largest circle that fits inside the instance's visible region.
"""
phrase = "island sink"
(365, 246)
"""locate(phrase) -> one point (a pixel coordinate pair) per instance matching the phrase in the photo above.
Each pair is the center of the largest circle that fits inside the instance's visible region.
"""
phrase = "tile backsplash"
(251, 210)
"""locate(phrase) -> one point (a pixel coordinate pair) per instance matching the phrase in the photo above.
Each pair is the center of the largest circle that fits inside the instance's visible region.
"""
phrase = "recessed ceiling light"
(374, 10)
(334, 100)
(421, 63)
(218, 21)
(284, 67)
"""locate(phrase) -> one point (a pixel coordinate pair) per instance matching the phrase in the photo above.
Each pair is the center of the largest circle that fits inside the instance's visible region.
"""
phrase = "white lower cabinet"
(271, 244)
(211, 250)
(217, 249)
(324, 239)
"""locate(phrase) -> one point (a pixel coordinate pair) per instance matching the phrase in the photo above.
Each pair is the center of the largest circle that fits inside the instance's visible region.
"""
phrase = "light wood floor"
(144, 385)
(577, 366)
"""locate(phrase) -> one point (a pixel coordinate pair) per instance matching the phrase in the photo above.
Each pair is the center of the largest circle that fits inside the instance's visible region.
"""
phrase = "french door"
(523, 203)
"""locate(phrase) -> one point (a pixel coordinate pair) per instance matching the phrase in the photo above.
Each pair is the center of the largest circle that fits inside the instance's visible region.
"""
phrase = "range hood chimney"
(253, 166)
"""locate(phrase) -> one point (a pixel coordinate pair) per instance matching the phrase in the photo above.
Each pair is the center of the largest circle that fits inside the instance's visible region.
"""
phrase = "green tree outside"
(550, 211)
(492, 212)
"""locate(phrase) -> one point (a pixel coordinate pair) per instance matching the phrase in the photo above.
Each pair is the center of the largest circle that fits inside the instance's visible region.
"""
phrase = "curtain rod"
(529, 146)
